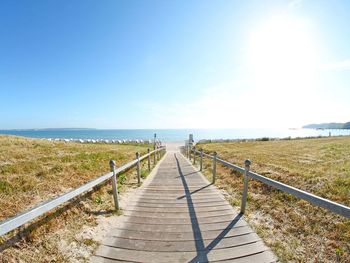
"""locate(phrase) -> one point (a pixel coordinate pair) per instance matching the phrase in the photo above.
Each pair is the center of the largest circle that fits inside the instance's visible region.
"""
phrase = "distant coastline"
(50, 129)
(331, 125)
(169, 135)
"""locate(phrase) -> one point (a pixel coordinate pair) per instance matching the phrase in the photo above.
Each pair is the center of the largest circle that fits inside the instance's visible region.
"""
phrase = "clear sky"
(173, 64)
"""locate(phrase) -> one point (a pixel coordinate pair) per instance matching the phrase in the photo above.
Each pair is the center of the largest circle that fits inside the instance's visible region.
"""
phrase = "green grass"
(32, 171)
(296, 230)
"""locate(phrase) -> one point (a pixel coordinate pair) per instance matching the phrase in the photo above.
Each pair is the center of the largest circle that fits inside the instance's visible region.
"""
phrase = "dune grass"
(296, 230)
(34, 170)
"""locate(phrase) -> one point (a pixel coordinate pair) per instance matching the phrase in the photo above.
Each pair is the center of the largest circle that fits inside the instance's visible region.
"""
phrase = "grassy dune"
(296, 230)
(33, 170)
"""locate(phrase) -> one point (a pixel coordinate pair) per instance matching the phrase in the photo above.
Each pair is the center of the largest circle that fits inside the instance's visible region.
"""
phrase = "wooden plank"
(263, 257)
(179, 227)
(177, 204)
(179, 201)
(162, 221)
(180, 245)
(176, 236)
(161, 257)
(178, 209)
(179, 217)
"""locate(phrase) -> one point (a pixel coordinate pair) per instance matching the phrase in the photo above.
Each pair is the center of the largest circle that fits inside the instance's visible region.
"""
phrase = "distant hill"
(50, 129)
(332, 125)
(346, 125)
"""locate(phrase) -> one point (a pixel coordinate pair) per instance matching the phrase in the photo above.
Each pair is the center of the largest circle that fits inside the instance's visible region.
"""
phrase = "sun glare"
(282, 52)
(282, 65)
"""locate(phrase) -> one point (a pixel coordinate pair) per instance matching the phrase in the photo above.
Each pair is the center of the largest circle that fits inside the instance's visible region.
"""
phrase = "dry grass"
(296, 230)
(34, 170)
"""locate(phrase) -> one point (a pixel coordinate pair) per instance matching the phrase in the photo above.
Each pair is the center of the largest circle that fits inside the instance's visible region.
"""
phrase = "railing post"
(201, 161)
(138, 168)
(114, 184)
(162, 152)
(247, 164)
(149, 160)
(214, 166)
(154, 141)
(194, 154)
(154, 158)
(189, 152)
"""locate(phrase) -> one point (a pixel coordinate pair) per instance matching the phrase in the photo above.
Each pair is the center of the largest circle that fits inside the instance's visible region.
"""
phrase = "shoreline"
(151, 141)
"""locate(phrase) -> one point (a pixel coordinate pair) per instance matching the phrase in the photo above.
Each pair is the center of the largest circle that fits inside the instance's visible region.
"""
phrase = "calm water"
(172, 134)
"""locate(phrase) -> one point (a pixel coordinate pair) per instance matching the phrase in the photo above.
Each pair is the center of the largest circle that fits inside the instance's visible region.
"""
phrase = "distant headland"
(331, 125)
(51, 129)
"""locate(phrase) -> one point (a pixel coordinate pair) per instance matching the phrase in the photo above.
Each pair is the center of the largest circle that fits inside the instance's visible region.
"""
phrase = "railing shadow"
(195, 191)
(187, 174)
(201, 249)
(216, 241)
(199, 243)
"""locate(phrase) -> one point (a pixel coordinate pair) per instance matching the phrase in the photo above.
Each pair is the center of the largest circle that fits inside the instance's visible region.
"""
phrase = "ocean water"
(171, 135)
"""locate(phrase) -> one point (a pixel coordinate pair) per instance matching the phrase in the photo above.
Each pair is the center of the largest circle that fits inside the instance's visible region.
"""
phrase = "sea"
(172, 135)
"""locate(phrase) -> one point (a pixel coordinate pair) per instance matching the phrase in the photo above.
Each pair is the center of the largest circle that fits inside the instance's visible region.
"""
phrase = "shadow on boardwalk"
(202, 250)
(178, 216)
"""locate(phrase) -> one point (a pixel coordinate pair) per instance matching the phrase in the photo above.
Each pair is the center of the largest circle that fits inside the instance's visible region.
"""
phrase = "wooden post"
(214, 167)
(201, 161)
(247, 164)
(114, 184)
(138, 168)
(154, 158)
(149, 160)
(154, 141)
(194, 154)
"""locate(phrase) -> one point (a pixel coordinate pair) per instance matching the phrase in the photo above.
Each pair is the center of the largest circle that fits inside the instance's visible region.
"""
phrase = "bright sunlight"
(282, 53)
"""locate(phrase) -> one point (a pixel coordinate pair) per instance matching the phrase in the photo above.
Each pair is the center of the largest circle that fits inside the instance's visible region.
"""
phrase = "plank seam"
(176, 240)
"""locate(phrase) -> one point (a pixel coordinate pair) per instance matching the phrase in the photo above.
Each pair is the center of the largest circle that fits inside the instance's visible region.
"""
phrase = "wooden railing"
(191, 153)
(33, 213)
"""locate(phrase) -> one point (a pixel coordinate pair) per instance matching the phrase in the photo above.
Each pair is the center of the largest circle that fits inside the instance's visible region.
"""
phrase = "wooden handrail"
(26, 216)
(314, 199)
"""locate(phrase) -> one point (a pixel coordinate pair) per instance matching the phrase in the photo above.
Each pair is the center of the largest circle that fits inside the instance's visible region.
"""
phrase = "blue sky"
(173, 64)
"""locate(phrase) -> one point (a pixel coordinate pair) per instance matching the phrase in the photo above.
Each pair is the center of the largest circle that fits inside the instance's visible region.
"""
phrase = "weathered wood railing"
(33, 213)
(191, 152)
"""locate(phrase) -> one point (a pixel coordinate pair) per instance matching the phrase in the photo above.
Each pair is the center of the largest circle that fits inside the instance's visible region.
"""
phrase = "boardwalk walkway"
(179, 217)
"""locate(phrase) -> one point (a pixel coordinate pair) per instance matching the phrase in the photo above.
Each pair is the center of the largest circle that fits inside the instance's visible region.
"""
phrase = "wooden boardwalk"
(179, 217)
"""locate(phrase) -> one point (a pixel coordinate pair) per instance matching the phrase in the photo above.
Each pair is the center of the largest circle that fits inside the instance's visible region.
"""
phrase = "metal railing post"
(247, 164)
(201, 161)
(194, 154)
(138, 168)
(114, 184)
(149, 160)
(214, 166)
